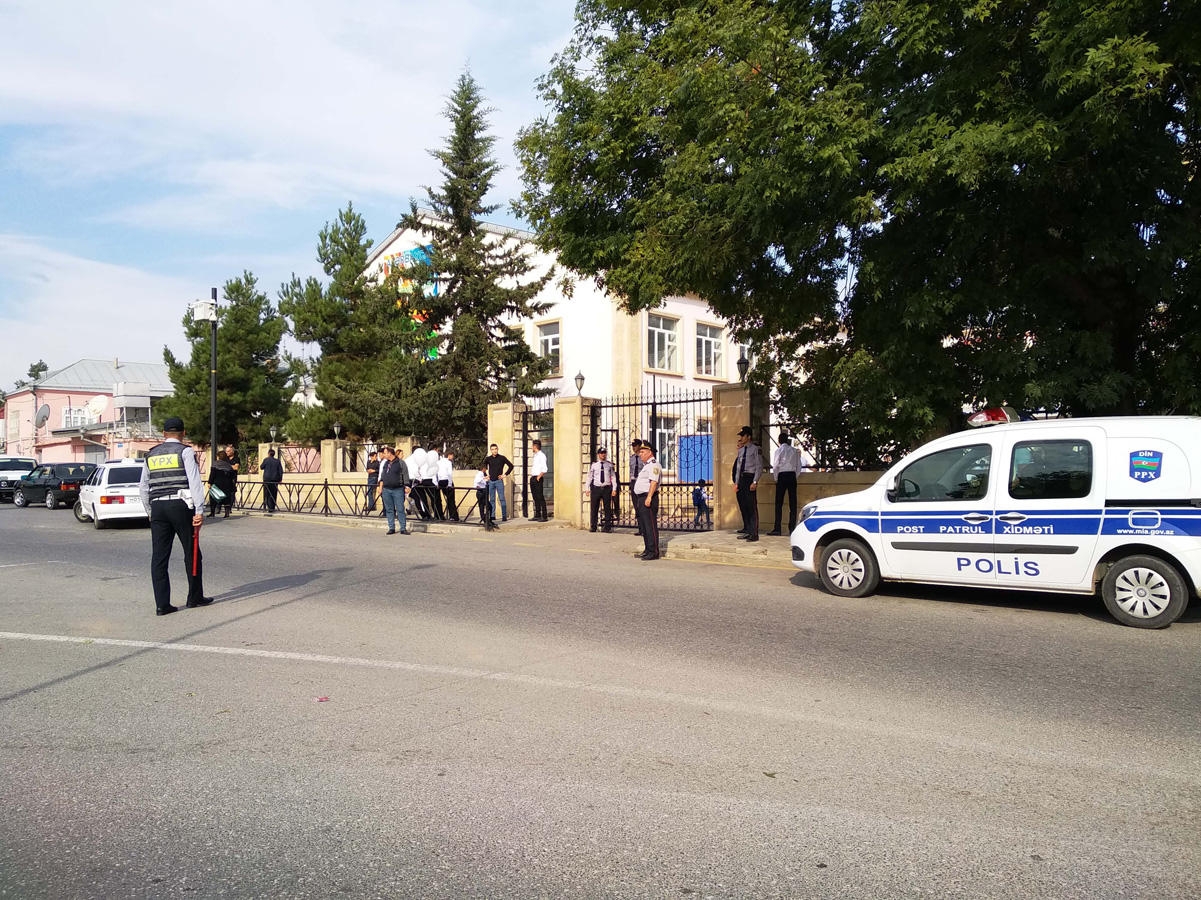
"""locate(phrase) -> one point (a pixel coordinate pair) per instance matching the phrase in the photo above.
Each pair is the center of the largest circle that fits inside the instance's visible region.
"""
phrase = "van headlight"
(810, 509)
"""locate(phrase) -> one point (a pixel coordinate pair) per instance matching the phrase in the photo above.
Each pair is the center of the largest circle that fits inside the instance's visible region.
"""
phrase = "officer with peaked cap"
(646, 500)
(173, 495)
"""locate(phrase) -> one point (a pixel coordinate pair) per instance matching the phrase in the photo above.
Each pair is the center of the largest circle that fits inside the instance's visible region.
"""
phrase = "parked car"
(12, 470)
(52, 484)
(111, 493)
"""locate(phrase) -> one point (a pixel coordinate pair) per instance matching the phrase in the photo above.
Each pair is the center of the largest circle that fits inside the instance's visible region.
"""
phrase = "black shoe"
(593, 530)
(203, 601)
(390, 531)
(752, 538)
(504, 518)
(166, 610)
(741, 531)
(649, 556)
(405, 531)
(775, 533)
(744, 537)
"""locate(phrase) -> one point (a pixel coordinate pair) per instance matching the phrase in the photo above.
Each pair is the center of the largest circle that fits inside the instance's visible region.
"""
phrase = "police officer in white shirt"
(602, 484)
(538, 470)
(784, 464)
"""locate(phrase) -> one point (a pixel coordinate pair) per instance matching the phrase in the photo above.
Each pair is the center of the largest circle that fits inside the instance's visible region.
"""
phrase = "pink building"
(93, 410)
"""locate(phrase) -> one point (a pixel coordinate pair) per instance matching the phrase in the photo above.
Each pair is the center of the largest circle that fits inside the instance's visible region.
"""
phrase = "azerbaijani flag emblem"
(1144, 464)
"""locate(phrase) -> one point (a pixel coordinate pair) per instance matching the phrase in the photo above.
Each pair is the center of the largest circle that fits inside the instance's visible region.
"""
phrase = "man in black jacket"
(394, 484)
(273, 474)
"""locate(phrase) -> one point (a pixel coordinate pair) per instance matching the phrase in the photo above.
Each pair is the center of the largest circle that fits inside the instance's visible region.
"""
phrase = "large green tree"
(468, 288)
(252, 376)
(366, 369)
(920, 204)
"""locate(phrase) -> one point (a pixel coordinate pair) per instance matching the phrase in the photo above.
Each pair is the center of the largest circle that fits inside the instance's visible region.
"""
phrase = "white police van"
(1055, 505)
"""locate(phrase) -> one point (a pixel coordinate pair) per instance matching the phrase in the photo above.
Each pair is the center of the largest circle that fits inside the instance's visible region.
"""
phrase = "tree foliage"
(366, 370)
(481, 282)
(251, 374)
(36, 372)
(920, 205)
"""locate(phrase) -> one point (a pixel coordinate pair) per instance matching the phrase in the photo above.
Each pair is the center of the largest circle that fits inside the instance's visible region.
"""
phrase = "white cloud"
(258, 102)
(62, 308)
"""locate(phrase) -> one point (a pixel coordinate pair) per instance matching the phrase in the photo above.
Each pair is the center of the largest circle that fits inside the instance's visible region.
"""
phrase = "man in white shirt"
(446, 484)
(538, 469)
(784, 464)
(415, 460)
(602, 484)
(429, 483)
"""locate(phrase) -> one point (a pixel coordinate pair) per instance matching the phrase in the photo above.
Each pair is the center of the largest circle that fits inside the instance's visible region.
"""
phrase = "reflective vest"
(165, 471)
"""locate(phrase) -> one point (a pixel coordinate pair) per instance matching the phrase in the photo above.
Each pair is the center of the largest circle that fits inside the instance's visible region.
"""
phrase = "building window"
(662, 343)
(709, 340)
(75, 416)
(548, 345)
(665, 431)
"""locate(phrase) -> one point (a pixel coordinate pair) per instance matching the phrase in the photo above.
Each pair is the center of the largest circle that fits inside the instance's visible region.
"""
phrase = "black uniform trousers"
(539, 497)
(270, 495)
(485, 508)
(648, 522)
(748, 505)
(601, 496)
(372, 490)
(171, 519)
(786, 484)
(448, 495)
(432, 499)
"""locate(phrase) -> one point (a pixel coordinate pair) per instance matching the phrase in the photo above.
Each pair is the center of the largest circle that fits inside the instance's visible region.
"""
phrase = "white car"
(111, 493)
(12, 470)
(1065, 505)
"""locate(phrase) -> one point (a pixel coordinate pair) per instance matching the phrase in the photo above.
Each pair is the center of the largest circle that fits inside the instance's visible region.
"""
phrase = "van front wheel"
(1144, 592)
(848, 569)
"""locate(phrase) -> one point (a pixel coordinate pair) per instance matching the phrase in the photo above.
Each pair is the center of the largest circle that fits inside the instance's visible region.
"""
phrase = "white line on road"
(809, 718)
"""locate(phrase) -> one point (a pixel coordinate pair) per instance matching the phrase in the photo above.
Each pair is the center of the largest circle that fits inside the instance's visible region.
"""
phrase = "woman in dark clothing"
(222, 477)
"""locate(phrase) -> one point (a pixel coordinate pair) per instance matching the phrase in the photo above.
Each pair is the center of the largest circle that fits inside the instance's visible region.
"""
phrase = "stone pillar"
(573, 444)
(504, 430)
(736, 405)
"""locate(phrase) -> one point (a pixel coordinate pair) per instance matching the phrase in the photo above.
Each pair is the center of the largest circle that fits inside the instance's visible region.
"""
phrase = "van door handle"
(976, 518)
(1012, 518)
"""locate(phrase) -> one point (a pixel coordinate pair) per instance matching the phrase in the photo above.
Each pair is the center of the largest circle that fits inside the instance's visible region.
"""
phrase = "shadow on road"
(254, 589)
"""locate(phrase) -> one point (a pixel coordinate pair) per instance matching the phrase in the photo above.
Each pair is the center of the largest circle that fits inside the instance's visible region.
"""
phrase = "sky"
(150, 151)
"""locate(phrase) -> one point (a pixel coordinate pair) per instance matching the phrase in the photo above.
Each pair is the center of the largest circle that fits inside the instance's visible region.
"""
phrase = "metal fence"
(334, 499)
(679, 425)
(536, 423)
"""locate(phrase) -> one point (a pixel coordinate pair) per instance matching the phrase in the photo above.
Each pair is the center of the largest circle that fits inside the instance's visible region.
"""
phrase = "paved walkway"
(721, 547)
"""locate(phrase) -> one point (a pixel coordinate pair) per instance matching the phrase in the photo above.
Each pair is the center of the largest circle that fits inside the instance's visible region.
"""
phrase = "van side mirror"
(890, 489)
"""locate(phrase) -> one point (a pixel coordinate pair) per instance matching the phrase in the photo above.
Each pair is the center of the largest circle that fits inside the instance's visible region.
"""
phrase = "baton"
(195, 549)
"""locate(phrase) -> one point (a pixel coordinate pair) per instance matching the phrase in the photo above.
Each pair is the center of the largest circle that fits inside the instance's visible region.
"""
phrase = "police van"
(1066, 505)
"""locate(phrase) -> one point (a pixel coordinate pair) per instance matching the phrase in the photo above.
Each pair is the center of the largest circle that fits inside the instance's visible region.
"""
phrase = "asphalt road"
(538, 714)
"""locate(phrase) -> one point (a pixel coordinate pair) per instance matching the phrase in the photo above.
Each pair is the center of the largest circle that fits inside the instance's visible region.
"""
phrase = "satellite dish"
(42, 416)
(98, 404)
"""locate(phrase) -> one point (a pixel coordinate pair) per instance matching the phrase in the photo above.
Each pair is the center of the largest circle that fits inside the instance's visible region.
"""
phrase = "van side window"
(960, 473)
(1051, 470)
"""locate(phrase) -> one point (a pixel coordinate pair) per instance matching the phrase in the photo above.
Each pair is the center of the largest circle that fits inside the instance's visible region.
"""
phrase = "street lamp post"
(273, 430)
(743, 365)
(579, 383)
(512, 389)
(206, 311)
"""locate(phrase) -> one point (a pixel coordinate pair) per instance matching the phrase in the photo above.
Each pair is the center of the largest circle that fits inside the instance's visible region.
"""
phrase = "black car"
(53, 484)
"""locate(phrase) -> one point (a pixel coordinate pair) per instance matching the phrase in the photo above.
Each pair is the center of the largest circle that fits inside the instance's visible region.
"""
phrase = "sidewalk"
(720, 547)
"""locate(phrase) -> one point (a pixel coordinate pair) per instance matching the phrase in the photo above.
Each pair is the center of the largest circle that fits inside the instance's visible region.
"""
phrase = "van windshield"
(15, 465)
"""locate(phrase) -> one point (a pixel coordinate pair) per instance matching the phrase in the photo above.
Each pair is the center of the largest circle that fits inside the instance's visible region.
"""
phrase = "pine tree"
(482, 282)
(369, 351)
(251, 374)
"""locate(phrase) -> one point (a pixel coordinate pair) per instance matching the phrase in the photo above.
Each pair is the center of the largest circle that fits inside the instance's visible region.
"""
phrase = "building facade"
(92, 410)
(681, 345)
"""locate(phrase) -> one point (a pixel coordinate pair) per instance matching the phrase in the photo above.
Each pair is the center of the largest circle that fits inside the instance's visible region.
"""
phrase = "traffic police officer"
(602, 484)
(748, 468)
(173, 495)
(646, 500)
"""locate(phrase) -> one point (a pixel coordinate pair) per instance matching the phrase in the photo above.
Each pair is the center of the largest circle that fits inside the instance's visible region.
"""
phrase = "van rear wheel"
(1144, 592)
(848, 569)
